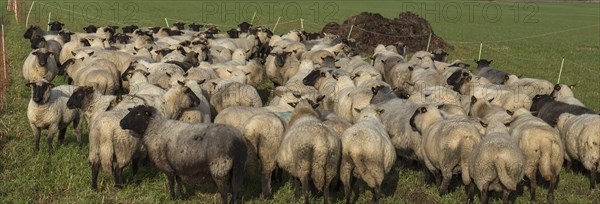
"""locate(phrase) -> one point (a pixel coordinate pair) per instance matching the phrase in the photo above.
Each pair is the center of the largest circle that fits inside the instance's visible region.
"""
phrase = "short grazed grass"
(530, 42)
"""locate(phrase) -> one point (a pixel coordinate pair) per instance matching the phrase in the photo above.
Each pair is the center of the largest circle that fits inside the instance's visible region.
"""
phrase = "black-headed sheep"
(367, 152)
(310, 150)
(190, 151)
(47, 109)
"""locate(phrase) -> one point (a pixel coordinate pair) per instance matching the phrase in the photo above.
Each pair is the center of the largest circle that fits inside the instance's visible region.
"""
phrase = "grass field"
(527, 39)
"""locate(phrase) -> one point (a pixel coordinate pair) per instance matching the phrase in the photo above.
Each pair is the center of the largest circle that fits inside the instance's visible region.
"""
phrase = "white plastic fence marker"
(302, 24)
(4, 54)
(253, 16)
(480, 46)
(16, 10)
(167, 22)
(276, 24)
(350, 32)
(49, 14)
(428, 42)
(27, 19)
(560, 72)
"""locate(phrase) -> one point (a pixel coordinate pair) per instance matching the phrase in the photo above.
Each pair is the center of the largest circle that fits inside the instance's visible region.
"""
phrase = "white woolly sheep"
(581, 137)
(39, 65)
(47, 109)
(368, 153)
(497, 163)
(542, 148)
(447, 145)
(309, 150)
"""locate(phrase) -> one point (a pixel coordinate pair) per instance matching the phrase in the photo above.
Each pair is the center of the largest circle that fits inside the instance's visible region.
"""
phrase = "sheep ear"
(491, 100)
(483, 124)
(36, 52)
(490, 61)
(423, 110)
(185, 74)
(293, 104)
(510, 112)
(146, 74)
(201, 81)
(440, 106)
(357, 110)
(320, 98)
(73, 53)
(473, 100)
(411, 68)
(169, 75)
(297, 95)
(379, 111)
(248, 73)
(91, 53)
(180, 82)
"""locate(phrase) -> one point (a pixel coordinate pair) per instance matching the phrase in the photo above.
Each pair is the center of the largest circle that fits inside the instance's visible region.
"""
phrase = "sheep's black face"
(155, 29)
(66, 36)
(483, 63)
(412, 123)
(539, 100)
(129, 29)
(195, 27)
(90, 29)
(192, 58)
(281, 57)
(179, 25)
(312, 77)
(56, 26)
(440, 56)
(244, 27)
(195, 101)
(164, 51)
(314, 36)
(40, 92)
(79, 97)
(137, 119)
(36, 42)
(42, 57)
(122, 38)
(233, 33)
(32, 31)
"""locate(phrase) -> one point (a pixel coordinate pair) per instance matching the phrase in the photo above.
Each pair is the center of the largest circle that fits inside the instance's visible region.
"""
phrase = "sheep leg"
(532, 187)
(376, 193)
(61, 136)
(305, 187)
(222, 186)
(437, 177)
(77, 123)
(443, 188)
(592, 179)
(266, 183)
(118, 177)
(171, 179)
(428, 175)
(553, 184)
(134, 170)
(570, 165)
(505, 196)
(179, 185)
(296, 183)
(470, 192)
(326, 193)
(95, 171)
(51, 131)
(484, 192)
(36, 134)
(348, 188)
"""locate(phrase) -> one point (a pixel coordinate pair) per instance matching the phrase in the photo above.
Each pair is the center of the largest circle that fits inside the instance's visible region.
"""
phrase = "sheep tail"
(467, 145)
(107, 152)
(550, 161)
(319, 166)
(505, 168)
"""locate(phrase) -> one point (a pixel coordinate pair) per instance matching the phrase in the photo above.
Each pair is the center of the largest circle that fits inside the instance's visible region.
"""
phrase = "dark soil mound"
(371, 29)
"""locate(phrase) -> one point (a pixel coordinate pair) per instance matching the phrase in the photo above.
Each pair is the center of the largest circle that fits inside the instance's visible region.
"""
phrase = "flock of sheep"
(186, 99)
